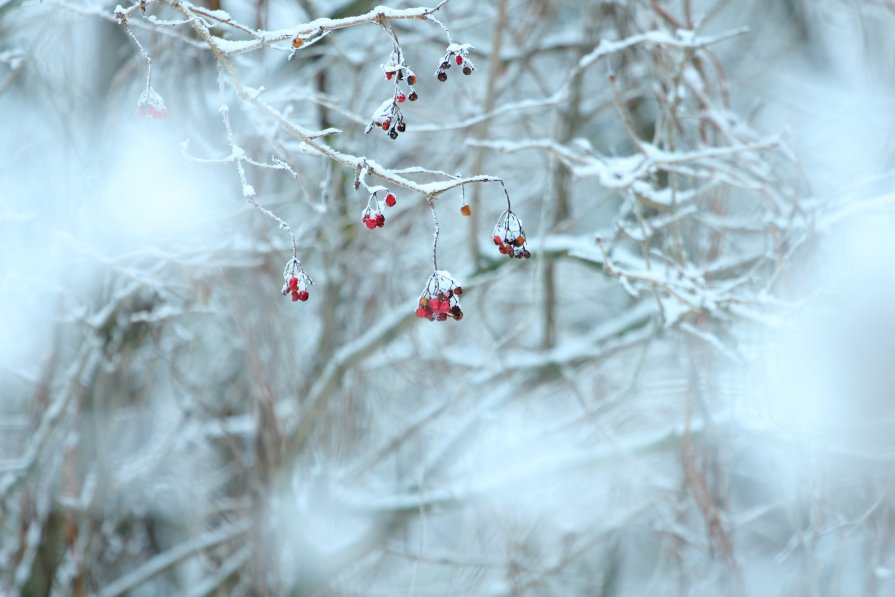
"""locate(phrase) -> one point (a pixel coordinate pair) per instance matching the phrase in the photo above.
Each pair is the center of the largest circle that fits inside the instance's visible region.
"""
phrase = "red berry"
(441, 316)
(413, 96)
(497, 240)
(388, 75)
(420, 312)
(458, 291)
(455, 310)
(459, 316)
(411, 80)
(502, 249)
(385, 124)
(435, 305)
(295, 294)
(401, 127)
(459, 59)
(370, 223)
(303, 295)
(400, 98)
(526, 254)
(293, 283)
(380, 220)
(442, 77)
(390, 200)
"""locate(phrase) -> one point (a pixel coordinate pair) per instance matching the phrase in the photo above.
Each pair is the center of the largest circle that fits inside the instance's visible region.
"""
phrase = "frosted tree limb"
(173, 557)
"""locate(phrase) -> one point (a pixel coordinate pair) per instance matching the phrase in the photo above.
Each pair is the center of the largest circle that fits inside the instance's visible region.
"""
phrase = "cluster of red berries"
(509, 236)
(400, 72)
(388, 116)
(456, 54)
(296, 281)
(441, 299)
(372, 216)
(151, 104)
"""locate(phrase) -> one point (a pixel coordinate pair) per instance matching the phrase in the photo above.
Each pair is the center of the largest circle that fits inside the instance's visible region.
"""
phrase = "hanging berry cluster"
(440, 299)
(455, 54)
(372, 216)
(388, 115)
(151, 104)
(296, 281)
(509, 236)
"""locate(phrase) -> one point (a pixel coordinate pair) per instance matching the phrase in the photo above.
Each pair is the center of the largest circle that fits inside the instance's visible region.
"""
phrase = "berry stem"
(504, 187)
(435, 234)
(447, 33)
(248, 191)
(127, 29)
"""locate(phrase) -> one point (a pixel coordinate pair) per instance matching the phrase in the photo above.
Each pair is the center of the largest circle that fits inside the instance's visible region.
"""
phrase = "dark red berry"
(458, 291)
(442, 77)
(459, 59)
(467, 70)
(459, 316)
(497, 240)
(455, 310)
(380, 220)
(303, 295)
(502, 249)
(393, 134)
(526, 254)
(441, 316)
(294, 295)
(390, 199)
(413, 96)
(411, 80)
(401, 127)
(445, 65)
(385, 124)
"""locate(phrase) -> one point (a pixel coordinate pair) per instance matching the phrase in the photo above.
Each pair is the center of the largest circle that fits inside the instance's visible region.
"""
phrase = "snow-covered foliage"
(678, 383)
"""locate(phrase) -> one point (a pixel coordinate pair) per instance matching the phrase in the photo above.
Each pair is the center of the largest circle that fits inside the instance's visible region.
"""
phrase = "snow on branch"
(173, 557)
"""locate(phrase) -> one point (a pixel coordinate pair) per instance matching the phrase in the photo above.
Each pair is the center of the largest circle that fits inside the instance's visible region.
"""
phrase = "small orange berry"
(297, 42)
(465, 210)
(520, 240)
